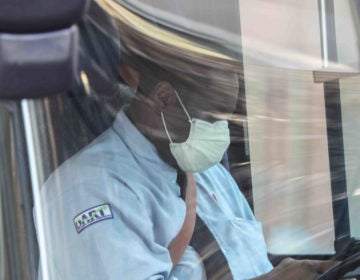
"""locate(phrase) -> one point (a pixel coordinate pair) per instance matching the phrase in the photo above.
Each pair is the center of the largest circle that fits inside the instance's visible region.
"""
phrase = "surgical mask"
(205, 145)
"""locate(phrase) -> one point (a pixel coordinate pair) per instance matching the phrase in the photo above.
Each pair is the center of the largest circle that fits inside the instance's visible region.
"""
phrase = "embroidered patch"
(91, 216)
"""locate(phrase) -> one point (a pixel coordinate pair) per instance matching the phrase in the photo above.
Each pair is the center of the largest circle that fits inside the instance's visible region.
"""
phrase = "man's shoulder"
(104, 162)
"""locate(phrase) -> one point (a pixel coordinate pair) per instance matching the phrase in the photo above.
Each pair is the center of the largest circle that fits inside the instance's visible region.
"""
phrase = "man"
(126, 206)
(114, 210)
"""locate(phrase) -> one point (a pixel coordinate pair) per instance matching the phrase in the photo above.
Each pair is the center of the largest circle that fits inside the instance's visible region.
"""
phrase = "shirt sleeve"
(100, 231)
(190, 266)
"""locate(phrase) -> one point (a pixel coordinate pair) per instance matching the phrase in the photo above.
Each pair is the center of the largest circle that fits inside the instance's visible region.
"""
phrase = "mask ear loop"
(163, 119)
(182, 105)
(167, 132)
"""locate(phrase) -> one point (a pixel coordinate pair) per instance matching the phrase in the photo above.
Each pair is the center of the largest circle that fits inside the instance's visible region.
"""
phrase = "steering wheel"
(339, 270)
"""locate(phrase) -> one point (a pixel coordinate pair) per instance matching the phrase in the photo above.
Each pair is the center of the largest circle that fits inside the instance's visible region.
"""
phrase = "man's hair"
(187, 77)
(151, 72)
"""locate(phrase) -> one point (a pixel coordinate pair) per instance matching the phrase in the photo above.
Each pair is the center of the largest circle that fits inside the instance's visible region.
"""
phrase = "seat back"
(38, 42)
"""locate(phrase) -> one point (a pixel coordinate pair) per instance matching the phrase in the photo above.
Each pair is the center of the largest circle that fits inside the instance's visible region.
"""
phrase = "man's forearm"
(290, 269)
(178, 245)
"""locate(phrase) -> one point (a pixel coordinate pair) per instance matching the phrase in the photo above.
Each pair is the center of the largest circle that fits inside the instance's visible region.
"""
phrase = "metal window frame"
(238, 151)
(21, 247)
(334, 126)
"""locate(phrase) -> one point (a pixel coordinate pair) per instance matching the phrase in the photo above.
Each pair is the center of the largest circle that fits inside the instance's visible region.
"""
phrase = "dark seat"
(38, 42)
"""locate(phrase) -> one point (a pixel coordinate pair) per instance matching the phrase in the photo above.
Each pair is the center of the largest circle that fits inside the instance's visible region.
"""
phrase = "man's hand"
(178, 245)
(290, 269)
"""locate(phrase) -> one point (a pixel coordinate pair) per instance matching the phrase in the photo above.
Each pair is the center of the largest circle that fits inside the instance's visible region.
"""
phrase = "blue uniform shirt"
(111, 211)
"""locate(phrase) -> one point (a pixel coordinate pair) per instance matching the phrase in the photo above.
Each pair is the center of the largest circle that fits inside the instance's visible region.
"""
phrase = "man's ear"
(163, 94)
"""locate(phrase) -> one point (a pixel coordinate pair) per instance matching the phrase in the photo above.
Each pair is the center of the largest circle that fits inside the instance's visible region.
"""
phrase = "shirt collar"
(139, 146)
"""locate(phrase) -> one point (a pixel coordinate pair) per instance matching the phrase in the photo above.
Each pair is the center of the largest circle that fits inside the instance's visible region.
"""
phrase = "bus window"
(287, 126)
(290, 169)
(349, 104)
(296, 124)
(347, 16)
(107, 164)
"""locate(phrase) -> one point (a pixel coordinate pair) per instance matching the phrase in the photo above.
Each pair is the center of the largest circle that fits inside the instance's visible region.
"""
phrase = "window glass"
(347, 43)
(289, 157)
(350, 102)
(287, 125)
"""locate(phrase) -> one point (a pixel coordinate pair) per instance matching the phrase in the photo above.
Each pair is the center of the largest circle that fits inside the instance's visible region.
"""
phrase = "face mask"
(205, 146)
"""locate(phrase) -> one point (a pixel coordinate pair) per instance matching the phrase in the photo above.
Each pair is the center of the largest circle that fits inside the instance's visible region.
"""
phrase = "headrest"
(24, 16)
(38, 46)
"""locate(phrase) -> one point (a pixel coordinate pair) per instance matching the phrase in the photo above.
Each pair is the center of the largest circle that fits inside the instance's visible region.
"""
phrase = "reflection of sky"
(357, 192)
(281, 33)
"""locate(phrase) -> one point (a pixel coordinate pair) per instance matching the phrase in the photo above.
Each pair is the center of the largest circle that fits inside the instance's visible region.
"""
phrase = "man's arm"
(290, 269)
(123, 245)
(178, 245)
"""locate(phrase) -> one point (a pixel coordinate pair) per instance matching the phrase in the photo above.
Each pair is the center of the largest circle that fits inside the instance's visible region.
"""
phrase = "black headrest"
(38, 46)
(34, 16)
(37, 65)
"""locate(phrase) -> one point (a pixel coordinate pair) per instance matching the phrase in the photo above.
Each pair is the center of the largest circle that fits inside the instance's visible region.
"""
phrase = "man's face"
(211, 102)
